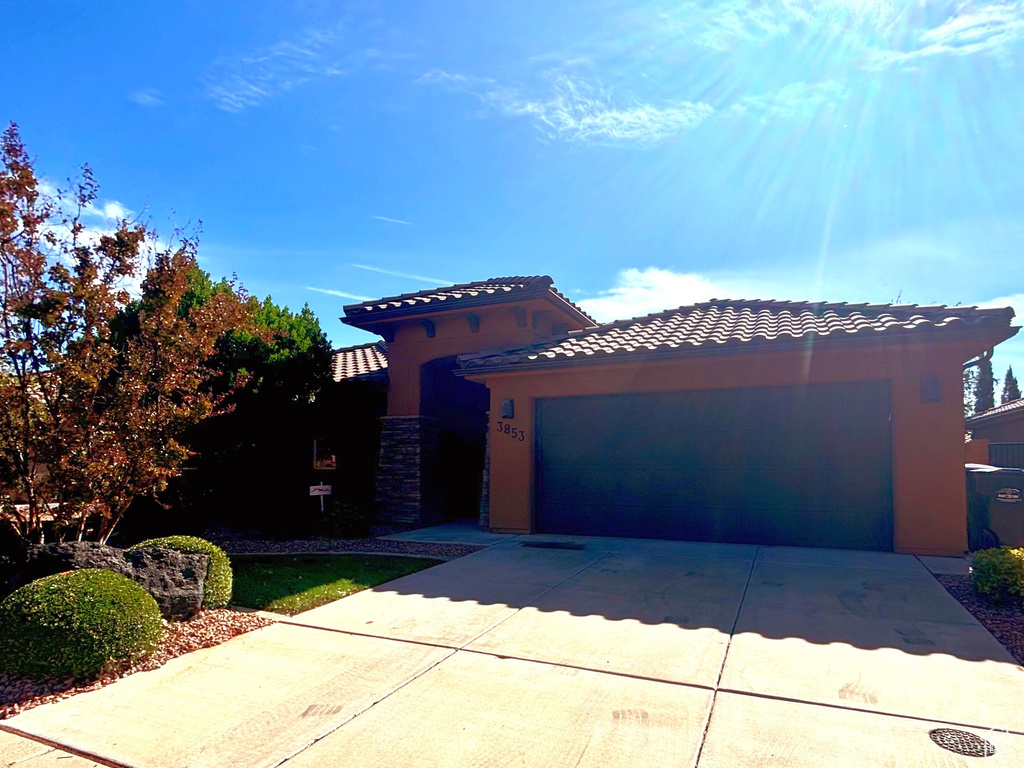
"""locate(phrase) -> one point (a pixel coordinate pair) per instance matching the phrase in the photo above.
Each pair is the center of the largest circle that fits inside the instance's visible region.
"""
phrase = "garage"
(799, 465)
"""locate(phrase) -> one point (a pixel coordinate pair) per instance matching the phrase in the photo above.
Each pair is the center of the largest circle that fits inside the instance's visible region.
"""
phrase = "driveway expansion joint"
(878, 712)
(725, 657)
(354, 715)
(453, 649)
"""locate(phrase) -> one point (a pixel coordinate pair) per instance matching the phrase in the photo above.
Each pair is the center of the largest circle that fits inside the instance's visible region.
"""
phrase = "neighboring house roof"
(1012, 408)
(365, 361)
(729, 324)
(463, 295)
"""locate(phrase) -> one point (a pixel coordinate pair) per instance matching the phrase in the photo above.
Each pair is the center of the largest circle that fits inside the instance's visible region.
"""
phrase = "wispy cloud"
(579, 112)
(342, 294)
(726, 25)
(795, 99)
(886, 32)
(392, 221)
(236, 83)
(147, 97)
(420, 278)
(972, 28)
(572, 109)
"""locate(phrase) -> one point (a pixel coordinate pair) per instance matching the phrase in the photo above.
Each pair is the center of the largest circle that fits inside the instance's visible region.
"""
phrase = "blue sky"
(644, 154)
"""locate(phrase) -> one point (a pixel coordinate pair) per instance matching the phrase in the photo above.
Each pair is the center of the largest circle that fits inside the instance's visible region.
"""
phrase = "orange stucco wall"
(498, 329)
(928, 439)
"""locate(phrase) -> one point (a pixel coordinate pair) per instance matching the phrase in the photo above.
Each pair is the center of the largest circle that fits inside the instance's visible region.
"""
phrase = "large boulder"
(174, 579)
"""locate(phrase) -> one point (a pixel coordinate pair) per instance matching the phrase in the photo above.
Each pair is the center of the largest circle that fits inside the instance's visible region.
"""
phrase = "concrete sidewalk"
(26, 753)
(581, 652)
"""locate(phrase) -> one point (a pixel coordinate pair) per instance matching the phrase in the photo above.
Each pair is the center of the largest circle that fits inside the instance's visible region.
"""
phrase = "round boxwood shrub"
(998, 574)
(217, 587)
(76, 624)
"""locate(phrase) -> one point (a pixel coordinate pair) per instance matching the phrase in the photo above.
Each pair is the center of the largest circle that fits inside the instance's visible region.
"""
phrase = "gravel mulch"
(1005, 623)
(240, 546)
(206, 629)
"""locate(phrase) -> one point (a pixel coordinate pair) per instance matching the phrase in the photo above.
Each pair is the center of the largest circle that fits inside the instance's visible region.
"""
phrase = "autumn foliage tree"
(97, 382)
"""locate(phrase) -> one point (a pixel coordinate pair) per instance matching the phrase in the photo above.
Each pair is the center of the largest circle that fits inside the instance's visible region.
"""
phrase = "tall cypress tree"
(1010, 389)
(985, 391)
(970, 385)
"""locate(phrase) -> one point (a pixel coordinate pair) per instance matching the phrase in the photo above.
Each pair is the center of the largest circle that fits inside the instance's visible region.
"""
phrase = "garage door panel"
(799, 466)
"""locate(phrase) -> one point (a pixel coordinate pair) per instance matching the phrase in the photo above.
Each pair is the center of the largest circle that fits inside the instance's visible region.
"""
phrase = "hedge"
(76, 624)
(998, 574)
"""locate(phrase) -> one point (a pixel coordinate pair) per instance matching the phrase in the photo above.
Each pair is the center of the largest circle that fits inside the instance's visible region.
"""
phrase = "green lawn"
(290, 584)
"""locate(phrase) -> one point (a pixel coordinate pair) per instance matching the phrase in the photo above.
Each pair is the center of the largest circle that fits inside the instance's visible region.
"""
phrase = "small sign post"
(321, 491)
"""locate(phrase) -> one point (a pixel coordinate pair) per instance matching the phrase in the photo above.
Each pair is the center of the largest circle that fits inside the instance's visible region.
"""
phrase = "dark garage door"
(803, 466)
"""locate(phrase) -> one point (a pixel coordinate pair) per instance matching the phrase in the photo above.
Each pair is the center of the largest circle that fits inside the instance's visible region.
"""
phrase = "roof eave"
(984, 419)
(376, 319)
(733, 348)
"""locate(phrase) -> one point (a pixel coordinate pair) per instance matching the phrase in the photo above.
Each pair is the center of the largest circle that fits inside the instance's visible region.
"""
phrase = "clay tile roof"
(479, 292)
(360, 362)
(725, 323)
(1012, 407)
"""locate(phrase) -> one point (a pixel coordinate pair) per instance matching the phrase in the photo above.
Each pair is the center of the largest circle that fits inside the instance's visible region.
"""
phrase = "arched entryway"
(460, 407)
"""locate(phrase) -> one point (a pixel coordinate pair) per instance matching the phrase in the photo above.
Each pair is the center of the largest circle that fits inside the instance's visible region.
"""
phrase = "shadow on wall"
(863, 599)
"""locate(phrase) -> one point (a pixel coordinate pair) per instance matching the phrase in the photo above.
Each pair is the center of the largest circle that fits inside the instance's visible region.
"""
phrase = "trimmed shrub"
(998, 574)
(217, 586)
(76, 624)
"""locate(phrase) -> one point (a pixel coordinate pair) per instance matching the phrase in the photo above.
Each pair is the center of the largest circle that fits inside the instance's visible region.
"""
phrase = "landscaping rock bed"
(206, 629)
(1005, 623)
(240, 546)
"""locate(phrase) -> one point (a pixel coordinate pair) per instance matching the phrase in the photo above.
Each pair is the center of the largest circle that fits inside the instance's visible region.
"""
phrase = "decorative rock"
(175, 580)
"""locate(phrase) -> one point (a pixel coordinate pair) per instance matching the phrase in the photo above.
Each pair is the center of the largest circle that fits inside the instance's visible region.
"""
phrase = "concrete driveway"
(554, 651)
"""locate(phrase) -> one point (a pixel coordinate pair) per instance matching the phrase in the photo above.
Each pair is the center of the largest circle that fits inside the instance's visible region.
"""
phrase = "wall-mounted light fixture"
(931, 392)
(508, 409)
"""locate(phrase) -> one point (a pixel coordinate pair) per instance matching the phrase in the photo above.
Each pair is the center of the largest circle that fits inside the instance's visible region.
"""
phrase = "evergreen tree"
(1011, 391)
(985, 389)
(970, 387)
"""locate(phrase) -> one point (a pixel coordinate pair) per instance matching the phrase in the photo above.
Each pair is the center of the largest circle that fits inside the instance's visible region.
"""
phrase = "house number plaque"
(504, 428)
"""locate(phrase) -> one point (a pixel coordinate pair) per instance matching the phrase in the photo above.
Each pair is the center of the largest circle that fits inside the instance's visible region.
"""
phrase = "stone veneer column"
(485, 483)
(406, 488)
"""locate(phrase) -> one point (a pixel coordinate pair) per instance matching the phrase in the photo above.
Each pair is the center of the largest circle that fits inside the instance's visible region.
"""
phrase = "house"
(766, 422)
(1002, 428)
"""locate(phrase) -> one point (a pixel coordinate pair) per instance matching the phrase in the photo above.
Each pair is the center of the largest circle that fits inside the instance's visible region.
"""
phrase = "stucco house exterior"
(766, 422)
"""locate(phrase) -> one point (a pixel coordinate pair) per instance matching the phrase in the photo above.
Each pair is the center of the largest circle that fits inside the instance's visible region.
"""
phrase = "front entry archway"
(460, 407)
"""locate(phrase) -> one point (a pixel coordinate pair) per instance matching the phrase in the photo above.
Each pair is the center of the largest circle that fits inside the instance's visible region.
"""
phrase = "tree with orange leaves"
(98, 381)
